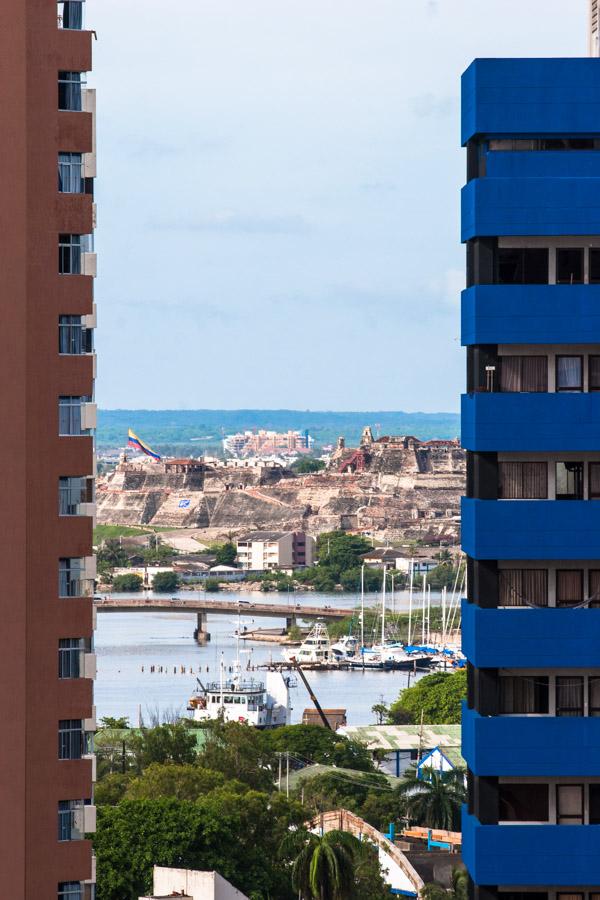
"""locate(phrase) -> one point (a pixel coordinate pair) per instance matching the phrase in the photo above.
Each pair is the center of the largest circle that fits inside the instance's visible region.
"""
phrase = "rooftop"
(263, 536)
(406, 737)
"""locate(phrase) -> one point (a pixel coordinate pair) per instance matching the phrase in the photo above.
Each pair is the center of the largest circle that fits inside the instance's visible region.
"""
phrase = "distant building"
(263, 550)
(395, 559)
(189, 884)
(435, 747)
(420, 564)
(335, 717)
(264, 443)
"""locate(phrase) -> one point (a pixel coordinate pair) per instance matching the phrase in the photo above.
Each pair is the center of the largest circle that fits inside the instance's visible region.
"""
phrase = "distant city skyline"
(278, 194)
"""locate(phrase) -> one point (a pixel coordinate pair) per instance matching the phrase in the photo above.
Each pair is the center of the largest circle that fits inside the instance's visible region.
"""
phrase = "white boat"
(314, 649)
(262, 704)
(346, 648)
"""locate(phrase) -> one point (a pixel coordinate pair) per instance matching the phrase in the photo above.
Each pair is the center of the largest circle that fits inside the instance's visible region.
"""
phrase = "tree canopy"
(312, 743)
(165, 582)
(438, 697)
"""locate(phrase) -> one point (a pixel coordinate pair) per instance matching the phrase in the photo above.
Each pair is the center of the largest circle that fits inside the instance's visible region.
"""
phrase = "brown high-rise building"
(46, 451)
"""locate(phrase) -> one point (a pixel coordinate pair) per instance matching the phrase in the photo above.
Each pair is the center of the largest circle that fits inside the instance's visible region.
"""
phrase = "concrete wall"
(196, 885)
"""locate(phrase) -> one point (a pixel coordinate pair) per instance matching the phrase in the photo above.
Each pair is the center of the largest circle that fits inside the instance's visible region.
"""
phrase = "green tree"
(239, 752)
(172, 742)
(112, 722)
(226, 554)
(343, 790)
(211, 585)
(111, 789)
(438, 697)
(435, 801)
(350, 579)
(323, 868)
(380, 711)
(127, 583)
(339, 551)
(307, 465)
(165, 582)
(184, 782)
(112, 553)
(312, 743)
(458, 889)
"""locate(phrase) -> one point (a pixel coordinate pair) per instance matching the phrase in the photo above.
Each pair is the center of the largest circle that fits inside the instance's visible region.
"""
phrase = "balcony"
(507, 855)
(530, 96)
(531, 314)
(530, 422)
(530, 206)
(531, 745)
(537, 638)
(531, 529)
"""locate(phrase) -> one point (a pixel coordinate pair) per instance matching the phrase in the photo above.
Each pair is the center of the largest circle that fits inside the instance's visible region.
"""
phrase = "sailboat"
(393, 654)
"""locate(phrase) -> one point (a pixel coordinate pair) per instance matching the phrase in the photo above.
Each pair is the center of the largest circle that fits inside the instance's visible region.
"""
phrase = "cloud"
(434, 106)
(229, 222)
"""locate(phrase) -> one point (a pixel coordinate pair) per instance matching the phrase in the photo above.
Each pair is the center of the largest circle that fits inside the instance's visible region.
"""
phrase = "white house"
(187, 884)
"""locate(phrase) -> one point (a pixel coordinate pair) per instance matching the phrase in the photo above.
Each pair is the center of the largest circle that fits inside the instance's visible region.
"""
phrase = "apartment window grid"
(70, 651)
(71, 580)
(74, 338)
(71, 739)
(70, 14)
(69, 416)
(70, 890)
(69, 254)
(70, 178)
(72, 492)
(70, 91)
(70, 820)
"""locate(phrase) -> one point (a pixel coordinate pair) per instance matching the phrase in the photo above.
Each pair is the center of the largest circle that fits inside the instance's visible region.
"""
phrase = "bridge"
(202, 607)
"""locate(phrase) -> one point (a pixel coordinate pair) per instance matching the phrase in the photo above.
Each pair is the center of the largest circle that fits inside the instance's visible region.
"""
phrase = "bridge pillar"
(201, 634)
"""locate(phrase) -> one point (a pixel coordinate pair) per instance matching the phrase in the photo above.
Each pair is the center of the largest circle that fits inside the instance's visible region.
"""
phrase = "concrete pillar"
(201, 634)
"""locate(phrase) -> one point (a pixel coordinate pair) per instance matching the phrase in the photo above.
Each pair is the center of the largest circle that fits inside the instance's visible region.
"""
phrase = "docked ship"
(234, 698)
(314, 650)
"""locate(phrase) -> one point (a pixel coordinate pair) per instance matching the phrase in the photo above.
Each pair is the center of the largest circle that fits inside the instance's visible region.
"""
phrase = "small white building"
(187, 884)
(263, 550)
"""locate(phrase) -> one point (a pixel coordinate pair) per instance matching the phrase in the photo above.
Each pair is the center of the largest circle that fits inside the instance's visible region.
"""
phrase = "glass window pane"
(569, 695)
(569, 481)
(524, 803)
(569, 804)
(569, 265)
(594, 265)
(594, 373)
(569, 373)
(569, 587)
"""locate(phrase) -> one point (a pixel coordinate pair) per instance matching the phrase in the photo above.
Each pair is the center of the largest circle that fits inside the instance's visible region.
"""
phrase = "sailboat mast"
(423, 607)
(383, 609)
(410, 601)
(362, 612)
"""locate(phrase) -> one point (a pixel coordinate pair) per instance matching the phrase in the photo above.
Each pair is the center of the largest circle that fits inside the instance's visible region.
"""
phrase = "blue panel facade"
(494, 207)
(515, 97)
(492, 638)
(532, 131)
(555, 855)
(527, 422)
(531, 529)
(531, 745)
(531, 314)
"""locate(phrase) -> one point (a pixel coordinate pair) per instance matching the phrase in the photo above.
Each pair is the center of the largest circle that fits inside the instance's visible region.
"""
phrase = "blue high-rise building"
(531, 517)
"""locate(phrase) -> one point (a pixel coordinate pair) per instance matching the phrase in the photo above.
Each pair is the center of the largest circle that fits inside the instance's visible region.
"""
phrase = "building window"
(71, 820)
(69, 91)
(69, 657)
(569, 804)
(523, 480)
(69, 173)
(594, 696)
(523, 373)
(69, 254)
(69, 416)
(70, 14)
(594, 268)
(569, 481)
(569, 587)
(569, 265)
(74, 338)
(521, 695)
(523, 587)
(594, 587)
(569, 695)
(522, 265)
(569, 373)
(524, 803)
(71, 739)
(71, 493)
(594, 373)
(71, 577)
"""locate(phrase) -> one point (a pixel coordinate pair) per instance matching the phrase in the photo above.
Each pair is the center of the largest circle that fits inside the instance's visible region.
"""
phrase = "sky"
(278, 196)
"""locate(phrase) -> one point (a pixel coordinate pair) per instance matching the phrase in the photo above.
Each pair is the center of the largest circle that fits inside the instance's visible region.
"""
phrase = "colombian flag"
(135, 441)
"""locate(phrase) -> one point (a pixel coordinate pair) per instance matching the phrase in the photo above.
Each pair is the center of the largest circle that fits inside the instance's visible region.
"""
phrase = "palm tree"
(458, 890)
(434, 801)
(323, 868)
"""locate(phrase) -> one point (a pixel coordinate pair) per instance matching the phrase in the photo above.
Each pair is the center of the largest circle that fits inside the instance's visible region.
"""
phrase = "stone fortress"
(396, 488)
